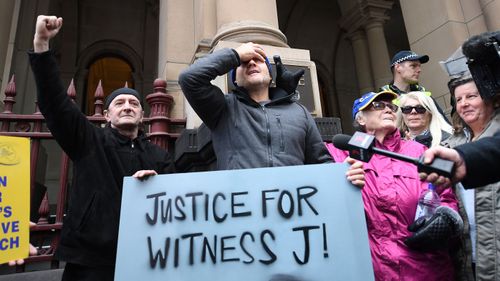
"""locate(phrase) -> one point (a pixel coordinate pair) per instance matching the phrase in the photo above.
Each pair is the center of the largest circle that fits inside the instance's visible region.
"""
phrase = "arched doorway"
(113, 72)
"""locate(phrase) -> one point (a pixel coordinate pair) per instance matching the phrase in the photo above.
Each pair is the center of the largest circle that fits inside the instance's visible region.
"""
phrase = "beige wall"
(438, 28)
(490, 9)
(189, 29)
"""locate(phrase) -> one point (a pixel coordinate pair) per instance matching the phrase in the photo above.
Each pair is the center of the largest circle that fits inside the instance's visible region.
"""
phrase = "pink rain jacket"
(390, 198)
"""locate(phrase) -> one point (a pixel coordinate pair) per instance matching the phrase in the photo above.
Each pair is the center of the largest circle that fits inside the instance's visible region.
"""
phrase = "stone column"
(378, 52)
(176, 47)
(362, 60)
(364, 25)
(205, 26)
(162, 40)
(491, 9)
(9, 14)
(244, 21)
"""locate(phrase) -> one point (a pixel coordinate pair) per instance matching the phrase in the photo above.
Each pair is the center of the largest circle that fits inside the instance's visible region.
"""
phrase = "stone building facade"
(347, 44)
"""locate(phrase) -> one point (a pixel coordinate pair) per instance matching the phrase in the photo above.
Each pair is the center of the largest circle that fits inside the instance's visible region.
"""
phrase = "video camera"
(483, 58)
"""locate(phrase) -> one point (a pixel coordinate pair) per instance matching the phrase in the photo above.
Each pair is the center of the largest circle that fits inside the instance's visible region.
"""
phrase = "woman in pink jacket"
(390, 197)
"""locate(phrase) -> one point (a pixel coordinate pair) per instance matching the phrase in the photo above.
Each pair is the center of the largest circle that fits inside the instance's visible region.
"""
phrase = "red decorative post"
(44, 210)
(99, 96)
(63, 183)
(159, 103)
(10, 96)
(9, 101)
(71, 91)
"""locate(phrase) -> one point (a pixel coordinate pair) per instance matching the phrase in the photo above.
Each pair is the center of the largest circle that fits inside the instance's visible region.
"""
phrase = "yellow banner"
(14, 198)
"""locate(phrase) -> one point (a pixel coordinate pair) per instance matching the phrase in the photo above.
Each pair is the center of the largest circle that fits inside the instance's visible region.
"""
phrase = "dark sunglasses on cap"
(408, 109)
(380, 105)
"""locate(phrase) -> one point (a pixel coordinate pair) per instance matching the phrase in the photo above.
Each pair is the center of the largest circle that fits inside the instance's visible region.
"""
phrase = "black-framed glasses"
(380, 105)
(408, 109)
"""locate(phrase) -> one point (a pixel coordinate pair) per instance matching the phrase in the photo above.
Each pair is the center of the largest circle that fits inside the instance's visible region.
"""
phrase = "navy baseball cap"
(233, 71)
(406, 55)
(364, 101)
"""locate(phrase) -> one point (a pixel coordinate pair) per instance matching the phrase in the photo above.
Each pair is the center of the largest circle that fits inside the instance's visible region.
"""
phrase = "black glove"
(435, 233)
(286, 79)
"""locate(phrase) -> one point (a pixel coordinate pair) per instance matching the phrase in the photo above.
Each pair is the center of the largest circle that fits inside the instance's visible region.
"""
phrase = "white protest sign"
(287, 223)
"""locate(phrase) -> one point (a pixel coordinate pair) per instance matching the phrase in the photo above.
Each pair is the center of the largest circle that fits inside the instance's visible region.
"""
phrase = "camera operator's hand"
(286, 79)
(447, 154)
(435, 233)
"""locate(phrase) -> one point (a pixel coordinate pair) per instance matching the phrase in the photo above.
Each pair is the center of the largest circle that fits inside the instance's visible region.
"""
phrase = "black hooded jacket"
(101, 158)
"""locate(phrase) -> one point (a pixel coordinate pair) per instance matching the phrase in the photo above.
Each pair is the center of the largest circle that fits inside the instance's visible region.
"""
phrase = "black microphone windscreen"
(479, 47)
(341, 141)
(470, 46)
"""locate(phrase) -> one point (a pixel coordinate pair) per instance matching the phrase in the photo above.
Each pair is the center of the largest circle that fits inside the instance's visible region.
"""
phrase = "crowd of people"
(472, 252)
(257, 125)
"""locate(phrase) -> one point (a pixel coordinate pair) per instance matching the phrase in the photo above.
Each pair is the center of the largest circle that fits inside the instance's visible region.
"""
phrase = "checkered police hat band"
(405, 58)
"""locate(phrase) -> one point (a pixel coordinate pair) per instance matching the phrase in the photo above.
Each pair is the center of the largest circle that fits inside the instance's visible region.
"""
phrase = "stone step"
(42, 275)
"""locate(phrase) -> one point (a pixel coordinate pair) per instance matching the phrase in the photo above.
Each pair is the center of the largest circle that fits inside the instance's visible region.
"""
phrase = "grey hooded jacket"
(247, 134)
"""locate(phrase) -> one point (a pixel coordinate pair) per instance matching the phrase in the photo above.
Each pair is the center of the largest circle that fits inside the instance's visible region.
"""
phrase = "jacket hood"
(277, 95)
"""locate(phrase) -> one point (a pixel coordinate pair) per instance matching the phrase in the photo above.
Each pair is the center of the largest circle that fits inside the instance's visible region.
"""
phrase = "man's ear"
(398, 66)
(106, 115)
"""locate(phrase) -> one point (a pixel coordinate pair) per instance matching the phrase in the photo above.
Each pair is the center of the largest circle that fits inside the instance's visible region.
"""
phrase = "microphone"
(361, 147)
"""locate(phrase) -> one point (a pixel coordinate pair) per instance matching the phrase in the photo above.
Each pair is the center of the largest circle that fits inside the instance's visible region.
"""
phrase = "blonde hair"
(437, 122)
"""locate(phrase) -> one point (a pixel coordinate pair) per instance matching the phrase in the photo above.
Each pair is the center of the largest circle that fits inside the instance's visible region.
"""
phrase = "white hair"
(355, 123)
(437, 122)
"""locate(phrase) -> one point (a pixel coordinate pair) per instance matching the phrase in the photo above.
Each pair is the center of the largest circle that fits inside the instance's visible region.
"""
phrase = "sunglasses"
(408, 109)
(381, 105)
